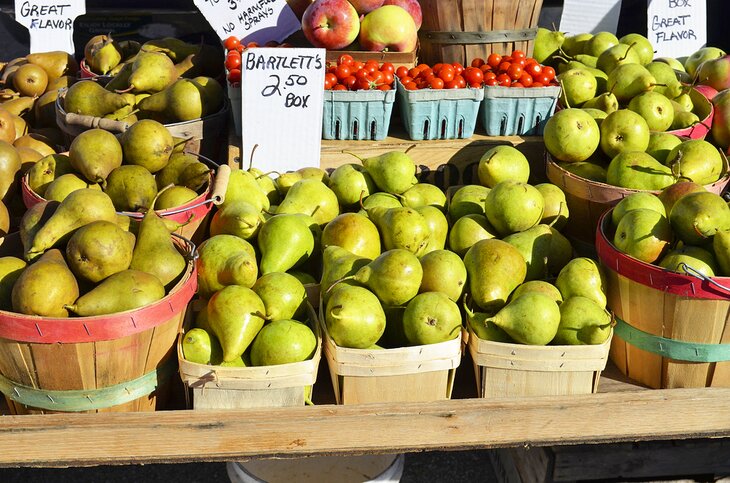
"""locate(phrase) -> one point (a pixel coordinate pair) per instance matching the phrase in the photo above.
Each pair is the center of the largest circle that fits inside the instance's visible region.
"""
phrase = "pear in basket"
(9, 166)
(236, 314)
(225, 260)
(151, 72)
(534, 246)
(582, 321)
(583, 276)
(393, 172)
(89, 98)
(147, 143)
(689, 259)
(94, 154)
(401, 227)
(285, 242)
(468, 230)
(353, 232)
(45, 287)
(283, 295)
(283, 341)
(311, 197)
(394, 277)
(338, 263)
(533, 318)
(696, 217)
(10, 270)
(354, 317)
(175, 196)
(491, 288)
(122, 291)
(131, 187)
(430, 318)
(98, 250)
(438, 227)
(200, 347)
(443, 271)
(469, 199)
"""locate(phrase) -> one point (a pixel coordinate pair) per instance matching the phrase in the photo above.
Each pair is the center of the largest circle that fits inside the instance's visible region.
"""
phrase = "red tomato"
(384, 87)
(234, 76)
(345, 59)
(426, 72)
(517, 84)
(504, 80)
(503, 67)
(231, 43)
(447, 73)
(494, 60)
(520, 62)
(477, 62)
(542, 78)
(549, 72)
(329, 80)
(437, 67)
(526, 79)
(458, 68)
(252, 45)
(332, 69)
(411, 86)
(518, 54)
(423, 66)
(388, 78)
(361, 73)
(514, 71)
(406, 79)
(451, 84)
(401, 71)
(349, 82)
(533, 69)
(339, 87)
(491, 82)
(343, 71)
(436, 83)
(489, 75)
(460, 82)
(378, 77)
(537, 84)
(473, 75)
(233, 60)
(413, 72)
(476, 85)
(365, 83)
(356, 65)
(387, 67)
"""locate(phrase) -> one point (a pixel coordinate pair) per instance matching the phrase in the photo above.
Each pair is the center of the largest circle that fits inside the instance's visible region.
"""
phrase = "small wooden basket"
(405, 374)
(518, 370)
(216, 387)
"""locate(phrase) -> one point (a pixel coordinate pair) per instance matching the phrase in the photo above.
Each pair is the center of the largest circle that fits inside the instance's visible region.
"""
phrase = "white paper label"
(591, 16)
(281, 107)
(51, 24)
(677, 27)
(250, 20)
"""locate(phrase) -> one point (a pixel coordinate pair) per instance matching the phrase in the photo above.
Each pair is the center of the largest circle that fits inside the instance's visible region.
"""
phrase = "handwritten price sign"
(282, 101)
(250, 20)
(677, 27)
(51, 24)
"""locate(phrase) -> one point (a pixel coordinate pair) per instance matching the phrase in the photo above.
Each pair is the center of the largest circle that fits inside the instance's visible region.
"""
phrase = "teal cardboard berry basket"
(517, 111)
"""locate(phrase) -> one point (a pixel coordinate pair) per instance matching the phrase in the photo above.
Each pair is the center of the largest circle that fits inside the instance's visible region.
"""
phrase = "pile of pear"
(167, 80)
(131, 168)
(80, 258)
(684, 229)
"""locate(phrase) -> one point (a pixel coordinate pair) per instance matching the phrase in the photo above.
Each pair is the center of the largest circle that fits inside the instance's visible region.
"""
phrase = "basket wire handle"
(193, 255)
(694, 272)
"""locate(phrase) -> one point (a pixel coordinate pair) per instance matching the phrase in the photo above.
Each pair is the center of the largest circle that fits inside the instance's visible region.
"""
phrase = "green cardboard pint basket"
(357, 115)
(517, 111)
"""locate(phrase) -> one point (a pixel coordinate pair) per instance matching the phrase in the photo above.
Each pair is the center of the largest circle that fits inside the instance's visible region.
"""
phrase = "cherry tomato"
(345, 59)
(518, 54)
(329, 80)
(451, 84)
(349, 82)
(526, 79)
(357, 65)
(413, 72)
(460, 82)
(473, 75)
(436, 83)
(504, 80)
(423, 66)
(231, 43)
(406, 79)
(534, 69)
(401, 71)
(384, 87)
(426, 72)
(489, 76)
(476, 85)
(520, 62)
(343, 71)
(491, 82)
(458, 68)
(537, 84)
(437, 67)
(252, 45)
(494, 60)
(332, 69)
(517, 84)
(365, 83)
(361, 73)
(447, 73)
(477, 62)
(388, 78)
(411, 86)
(387, 67)
(486, 68)
(233, 60)
(542, 78)
(504, 66)
(378, 77)
(234, 76)
(514, 71)
(339, 87)
(549, 72)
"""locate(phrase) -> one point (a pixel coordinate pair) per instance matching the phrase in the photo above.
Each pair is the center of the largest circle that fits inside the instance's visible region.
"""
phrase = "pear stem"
(343, 279)
(409, 148)
(362, 192)
(565, 97)
(352, 154)
(268, 173)
(124, 91)
(621, 59)
(250, 158)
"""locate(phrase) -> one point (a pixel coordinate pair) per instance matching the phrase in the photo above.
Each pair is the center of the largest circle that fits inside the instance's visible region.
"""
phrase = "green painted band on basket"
(88, 399)
(671, 348)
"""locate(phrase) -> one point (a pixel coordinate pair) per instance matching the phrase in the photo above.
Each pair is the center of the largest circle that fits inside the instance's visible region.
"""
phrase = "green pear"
(669, 195)
(468, 199)
(151, 72)
(285, 242)
(267, 185)
(491, 288)
(684, 102)
(661, 144)
(666, 77)
(200, 347)
(95, 153)
(236, 315)
(314, 172)
(310, 197)
(655, 108)
(430, 318)
(582, 321)
(622, 131)
(98, 250)
(147, 143)
(225, 260)
(616, 55)
(540, 286)
(575, 44)
(120, 292)
(503, 163)
(605, 102)
(283, 341)
(692, 63)
(403, 228)
(534, 246)
(696, 217)
(76, 210)
(587, 170)
(183, 100)
(353, 232)
(338, 263)
(561, 252)
(283, 295)
(721, 249)
(90, 98)
(689, 260)
(33, 219)
(578, 86)
(46, 170)
(643, 234)
(555, 212)
(131, 188)
(354, 317)
(642, 46)
(638, 170)
(242, 186)
(61, 187)
(238, 218)
(696, 160)
(629, 80)
(484, 328)
(423, 194)
(582, 276)
(10, 269)
(533, 319)
(443, 271)
(438, 226)
(394, 277)
(635, 201)
(286, 181)
(512, 206)
(380, 200)
(350, 183)
(306, 278)
(547, 44)
(45, 287)
(392, 172)
(468, 230)
(683, 120)
(174, 197)
(599, 42)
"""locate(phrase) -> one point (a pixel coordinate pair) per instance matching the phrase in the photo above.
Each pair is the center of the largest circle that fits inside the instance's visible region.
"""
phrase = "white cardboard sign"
(282, 98)
(250, 20)
(677, 27)
(590, 16)
(51, 24)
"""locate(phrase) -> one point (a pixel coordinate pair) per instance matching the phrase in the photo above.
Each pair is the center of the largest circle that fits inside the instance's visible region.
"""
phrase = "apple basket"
(357, 115)
(514, 111)
(439, 113)
(672, 329)
(216, 387)
(404, 374)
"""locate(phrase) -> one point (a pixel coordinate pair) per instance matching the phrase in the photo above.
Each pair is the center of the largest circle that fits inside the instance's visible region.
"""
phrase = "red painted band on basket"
(652, 275)
(74, 330)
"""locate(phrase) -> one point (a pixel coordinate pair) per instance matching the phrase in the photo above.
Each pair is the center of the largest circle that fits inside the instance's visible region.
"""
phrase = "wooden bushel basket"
(459, 31)
(216, 387)
(588, 200)
(518, 370)
(672, 330)
(118, 362)
(405, 374)
(191, 216)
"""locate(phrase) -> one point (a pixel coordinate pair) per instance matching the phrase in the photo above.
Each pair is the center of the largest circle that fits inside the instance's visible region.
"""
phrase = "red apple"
(389, 27)
(715, 73)
(331, 24)
(411, 6)
(366, 6)
(721, 120)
